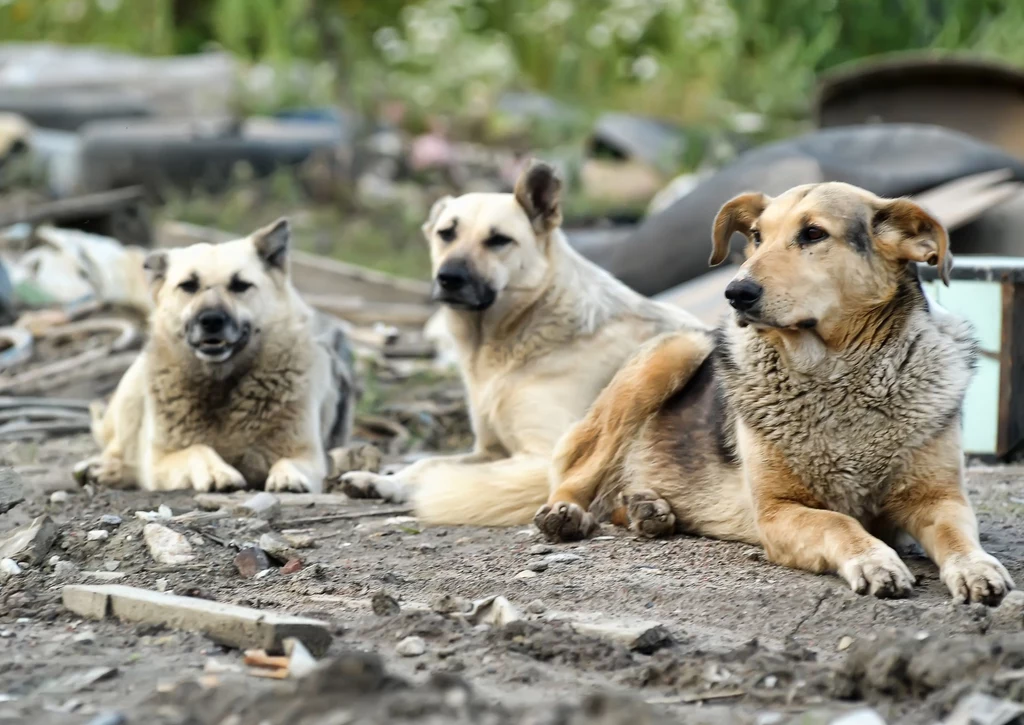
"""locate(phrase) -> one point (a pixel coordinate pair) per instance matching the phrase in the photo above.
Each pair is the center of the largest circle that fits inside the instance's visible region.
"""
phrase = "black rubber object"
(888, 159)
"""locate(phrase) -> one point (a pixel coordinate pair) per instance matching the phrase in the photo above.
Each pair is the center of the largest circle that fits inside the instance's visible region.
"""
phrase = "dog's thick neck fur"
(190, 395)
(563, 307)
(886, 393)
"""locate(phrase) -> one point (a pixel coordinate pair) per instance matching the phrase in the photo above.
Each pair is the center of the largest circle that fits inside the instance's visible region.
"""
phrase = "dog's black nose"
(743, 294)
(212, 322)
(453, 278)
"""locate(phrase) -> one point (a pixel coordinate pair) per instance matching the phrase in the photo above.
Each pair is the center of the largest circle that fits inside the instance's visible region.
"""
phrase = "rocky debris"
(65, 570)
(30, 544)
(643, 637)
(981, 709)
(292, 566)
(411, 647)
(79, 680)
(58, 498)
(109, 718)
(538, 566)
(384, 605)
(863, 716)
(563, 558)
(261, 506)
(12, 492)
(9, 567)
(536, 607)
(251, 561)
(540, 550)
(845, 643)
(496, 611)
(451, 604)
(110, 520)
(163, 513)
(277, 547)
(97, 535)
(298, 541)
(167, 546)
(1009, 615)
(526, 574)
(227, 624)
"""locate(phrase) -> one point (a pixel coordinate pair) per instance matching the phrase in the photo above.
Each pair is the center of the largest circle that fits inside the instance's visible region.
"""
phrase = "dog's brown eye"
(813, 234)
(189, 286)
(756, 236)
(447, 235)
(239, 286)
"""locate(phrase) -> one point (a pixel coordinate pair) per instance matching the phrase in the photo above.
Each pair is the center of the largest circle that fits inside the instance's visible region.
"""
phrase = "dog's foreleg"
(197, 467)
(796, 532)
(931, 506)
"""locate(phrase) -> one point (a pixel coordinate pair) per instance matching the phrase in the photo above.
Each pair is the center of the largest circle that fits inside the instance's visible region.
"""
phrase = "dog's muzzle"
(215, 336)
(455, 285)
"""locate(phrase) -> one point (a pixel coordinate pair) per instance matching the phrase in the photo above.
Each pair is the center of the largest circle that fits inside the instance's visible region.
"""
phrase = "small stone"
(1009, 615)
(263, 574)
(110, 520)
(411, 647)
(263, 505)
(86, 637)
(59, 497)
(276, 546)
(563, 558)
(30, 543)
(526, 574)
(754, 555)
(97, 535)
(9, 567)
(161, 585)
(111, 565)
(65, 570)
(536, 607)
(540, 550)
(251, 561)
(167, 546)
(299, 541)
(538, 566)
(845, 643)
(53, 561)
(384, 605)
(292, 566)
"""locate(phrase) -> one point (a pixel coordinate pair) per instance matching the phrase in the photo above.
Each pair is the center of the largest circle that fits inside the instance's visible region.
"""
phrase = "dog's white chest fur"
(846, 427)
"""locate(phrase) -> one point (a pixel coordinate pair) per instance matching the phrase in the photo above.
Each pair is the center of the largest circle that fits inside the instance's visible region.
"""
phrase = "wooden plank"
(74, 207)
(1011, 373)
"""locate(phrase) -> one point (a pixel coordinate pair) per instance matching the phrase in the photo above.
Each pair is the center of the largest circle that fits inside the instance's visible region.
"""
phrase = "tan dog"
(539, 332)
(827, 421)
(241, 382)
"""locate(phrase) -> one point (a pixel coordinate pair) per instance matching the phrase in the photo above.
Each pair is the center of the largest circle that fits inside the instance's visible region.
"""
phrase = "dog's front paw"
(564, 521)
(104, 471)
(285, 476)
(649, 514)
(359, 457)
(362, 484)
(976, 577)
(215, 475)
(879, 571)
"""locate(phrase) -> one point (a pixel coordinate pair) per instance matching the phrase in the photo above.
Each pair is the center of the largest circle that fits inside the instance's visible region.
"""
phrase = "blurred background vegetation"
(711, 66)
(692, 61)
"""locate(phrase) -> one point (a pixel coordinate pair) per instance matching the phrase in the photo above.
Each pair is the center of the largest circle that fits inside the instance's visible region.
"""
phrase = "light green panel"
(981, 303)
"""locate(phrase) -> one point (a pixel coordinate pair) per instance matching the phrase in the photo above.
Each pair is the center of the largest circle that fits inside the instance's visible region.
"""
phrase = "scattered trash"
(167, 546)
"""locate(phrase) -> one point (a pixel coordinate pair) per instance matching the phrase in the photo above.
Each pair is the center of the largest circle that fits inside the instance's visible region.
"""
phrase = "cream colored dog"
(539, 332)
(241, 382)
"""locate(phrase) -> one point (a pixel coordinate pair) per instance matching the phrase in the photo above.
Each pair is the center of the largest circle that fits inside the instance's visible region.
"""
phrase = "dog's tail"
(592, 452)
(499, 493)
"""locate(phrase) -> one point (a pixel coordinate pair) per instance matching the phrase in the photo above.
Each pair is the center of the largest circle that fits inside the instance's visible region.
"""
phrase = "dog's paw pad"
(649, 514)
(564, 521)
(879, 572)
(363, 457)
(976, 577)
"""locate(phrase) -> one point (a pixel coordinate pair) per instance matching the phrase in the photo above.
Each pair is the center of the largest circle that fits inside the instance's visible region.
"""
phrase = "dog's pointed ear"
(907, 233)
(272, 242)
(435, 213)
(155, 266)
(539, 191)
(737, 215)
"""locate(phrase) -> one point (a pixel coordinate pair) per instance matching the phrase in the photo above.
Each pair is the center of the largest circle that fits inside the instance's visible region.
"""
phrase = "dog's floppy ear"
(155, 266)
(272, 243)
(539, 192)
(435, 212)
(908, 233)
(737, 215)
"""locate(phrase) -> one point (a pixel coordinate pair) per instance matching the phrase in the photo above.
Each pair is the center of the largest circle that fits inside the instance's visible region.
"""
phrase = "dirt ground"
(750, 642)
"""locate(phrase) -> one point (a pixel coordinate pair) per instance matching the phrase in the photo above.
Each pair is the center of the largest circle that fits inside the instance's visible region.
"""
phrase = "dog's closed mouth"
(762, 323)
